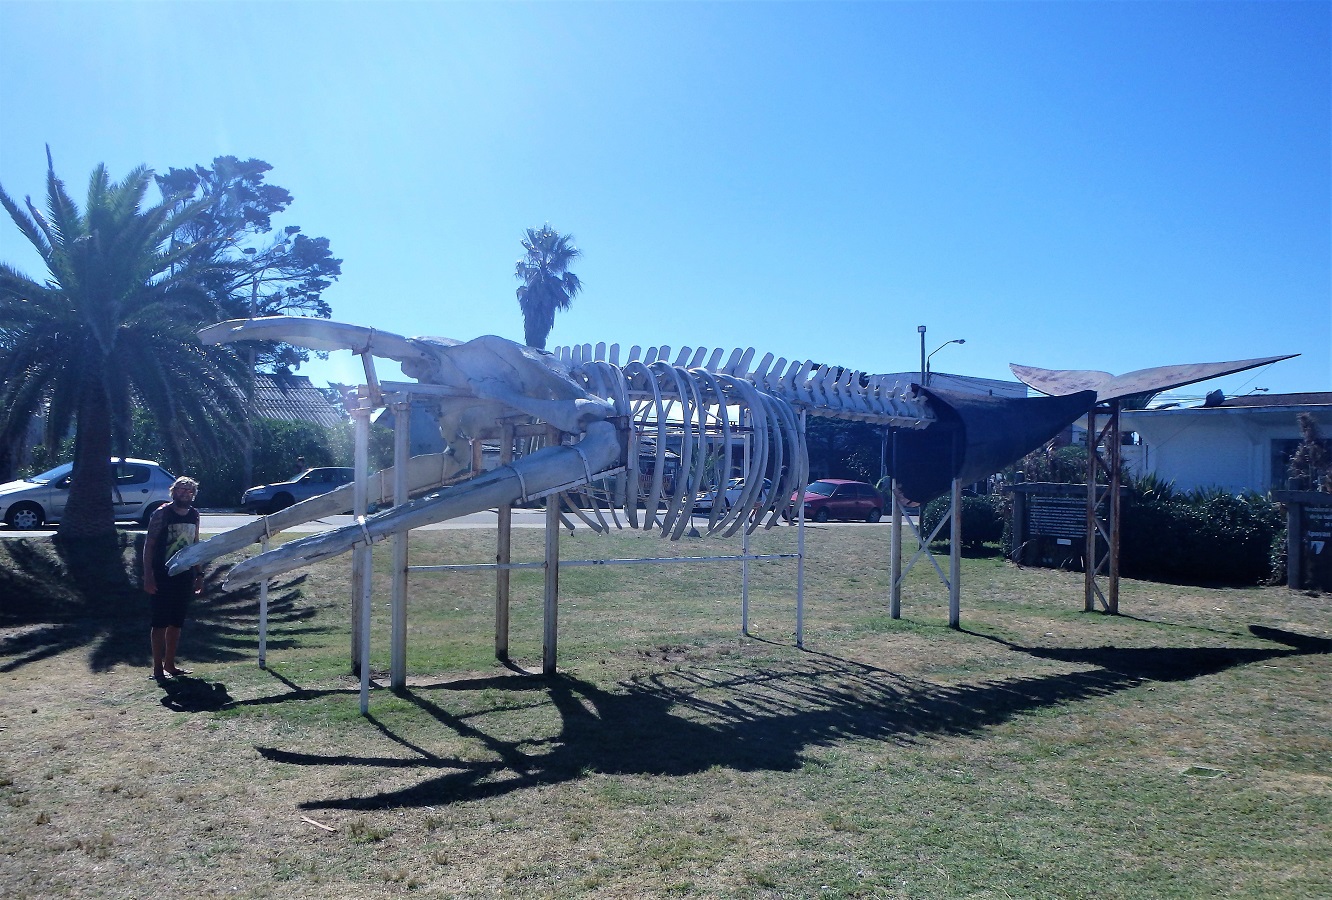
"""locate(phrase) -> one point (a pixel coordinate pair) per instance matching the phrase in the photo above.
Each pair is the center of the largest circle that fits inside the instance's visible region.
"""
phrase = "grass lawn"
(1182, 749)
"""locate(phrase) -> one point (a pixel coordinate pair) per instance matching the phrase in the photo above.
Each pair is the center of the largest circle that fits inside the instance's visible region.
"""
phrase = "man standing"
(171, 528)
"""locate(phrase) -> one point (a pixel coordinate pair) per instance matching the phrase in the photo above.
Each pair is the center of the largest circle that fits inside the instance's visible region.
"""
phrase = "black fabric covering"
(975, 436)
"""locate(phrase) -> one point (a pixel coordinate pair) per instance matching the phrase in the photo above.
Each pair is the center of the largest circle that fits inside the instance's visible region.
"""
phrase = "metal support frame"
(373, 397)
(897, 573)
(1103, 513)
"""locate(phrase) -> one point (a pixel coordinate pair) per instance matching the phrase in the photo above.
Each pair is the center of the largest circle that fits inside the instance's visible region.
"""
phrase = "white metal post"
(263, 612)
(361, 554)
(955, 558)
(503, 553)
(895, 556)
(550, 632)
(800, 553)
(402, 427)
(744, 530)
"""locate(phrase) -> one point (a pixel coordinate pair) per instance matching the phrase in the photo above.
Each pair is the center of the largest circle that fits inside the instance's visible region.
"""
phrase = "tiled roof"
(1320, 398)
(293, 397)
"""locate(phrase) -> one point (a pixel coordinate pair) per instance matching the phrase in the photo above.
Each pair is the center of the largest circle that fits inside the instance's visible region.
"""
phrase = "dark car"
(269, 498)
(837, 498)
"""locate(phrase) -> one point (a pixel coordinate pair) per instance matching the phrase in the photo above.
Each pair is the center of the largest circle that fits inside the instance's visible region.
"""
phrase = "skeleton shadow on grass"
(47, 613)
(735, 716)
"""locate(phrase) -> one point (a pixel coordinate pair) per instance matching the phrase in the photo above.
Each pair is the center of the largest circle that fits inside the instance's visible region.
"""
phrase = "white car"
(139, 487)
(734, 488)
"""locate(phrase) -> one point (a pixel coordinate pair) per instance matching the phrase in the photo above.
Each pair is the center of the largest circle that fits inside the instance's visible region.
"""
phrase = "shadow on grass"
(53, 600)
(730, 715)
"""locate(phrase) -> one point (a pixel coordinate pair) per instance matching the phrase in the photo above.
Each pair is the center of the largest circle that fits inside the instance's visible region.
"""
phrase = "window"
(1282, 451)
(127, 474)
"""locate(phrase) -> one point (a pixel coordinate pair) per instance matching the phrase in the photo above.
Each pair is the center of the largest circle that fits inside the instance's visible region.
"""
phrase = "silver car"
(139, 486)
(705, 500)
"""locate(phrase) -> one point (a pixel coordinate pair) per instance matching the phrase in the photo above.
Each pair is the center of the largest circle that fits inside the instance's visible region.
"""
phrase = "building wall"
(1222, 447)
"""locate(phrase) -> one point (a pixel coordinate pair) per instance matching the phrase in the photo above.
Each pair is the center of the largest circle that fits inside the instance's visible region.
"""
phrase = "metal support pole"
(503, 554)
(263, 612)
(361, 558)
(550, 633)
(955, 558)
(895, 556)
(360, 463)
(800, 552)
(402, 428)
(744, 581)
(744, 537)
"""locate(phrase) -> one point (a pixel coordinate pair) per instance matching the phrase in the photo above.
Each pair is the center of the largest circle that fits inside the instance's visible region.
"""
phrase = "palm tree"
(547, 284)
(112, 325)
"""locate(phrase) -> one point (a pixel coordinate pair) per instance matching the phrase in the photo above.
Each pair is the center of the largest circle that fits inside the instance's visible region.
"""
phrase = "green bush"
(1206, 536)
(278, 444)
(982, 520)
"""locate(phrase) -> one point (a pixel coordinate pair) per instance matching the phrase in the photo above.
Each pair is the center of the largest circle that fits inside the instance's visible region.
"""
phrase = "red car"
(837, 498)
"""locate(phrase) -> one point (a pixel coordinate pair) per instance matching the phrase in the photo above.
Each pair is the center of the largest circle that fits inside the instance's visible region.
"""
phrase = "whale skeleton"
(612, 432)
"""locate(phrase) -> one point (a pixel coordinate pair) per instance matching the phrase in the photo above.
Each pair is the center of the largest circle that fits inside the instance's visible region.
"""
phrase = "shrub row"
(1207, 536)
(1202, 537)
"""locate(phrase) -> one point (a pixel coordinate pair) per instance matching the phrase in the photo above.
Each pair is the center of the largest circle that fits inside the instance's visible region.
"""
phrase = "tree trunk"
(89, 512)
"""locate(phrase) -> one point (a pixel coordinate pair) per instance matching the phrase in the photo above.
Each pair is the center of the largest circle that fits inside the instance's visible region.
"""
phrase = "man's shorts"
(168, 605)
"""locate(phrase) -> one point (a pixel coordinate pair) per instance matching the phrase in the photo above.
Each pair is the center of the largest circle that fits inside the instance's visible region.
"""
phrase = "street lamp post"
(921, 330)
(926, 366)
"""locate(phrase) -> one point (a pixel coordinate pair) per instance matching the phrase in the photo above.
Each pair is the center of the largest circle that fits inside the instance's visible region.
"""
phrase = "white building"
(1240, 443)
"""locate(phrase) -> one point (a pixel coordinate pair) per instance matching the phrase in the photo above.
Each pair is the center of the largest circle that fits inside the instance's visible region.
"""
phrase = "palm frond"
(26, 224)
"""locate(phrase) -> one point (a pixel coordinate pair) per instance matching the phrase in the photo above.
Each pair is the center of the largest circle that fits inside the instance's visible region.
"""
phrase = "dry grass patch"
(1179, 750)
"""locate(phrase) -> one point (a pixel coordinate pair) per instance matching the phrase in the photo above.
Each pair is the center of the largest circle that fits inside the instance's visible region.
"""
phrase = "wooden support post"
(503, 554)
(1294, 545)
(1089, 555)
(1115, 449)
(1109, 463)
(955, 558)
(402, 429)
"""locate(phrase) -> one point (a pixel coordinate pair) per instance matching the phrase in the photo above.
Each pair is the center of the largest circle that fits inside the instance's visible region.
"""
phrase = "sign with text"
(1057, 517)
(1051, 522)
(1316, 537)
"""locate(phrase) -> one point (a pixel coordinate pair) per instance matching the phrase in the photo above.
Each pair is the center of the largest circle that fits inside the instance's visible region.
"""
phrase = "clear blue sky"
(1070, 185)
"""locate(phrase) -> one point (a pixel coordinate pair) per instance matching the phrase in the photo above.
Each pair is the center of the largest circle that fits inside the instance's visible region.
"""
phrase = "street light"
(936, 350)
(921, 329)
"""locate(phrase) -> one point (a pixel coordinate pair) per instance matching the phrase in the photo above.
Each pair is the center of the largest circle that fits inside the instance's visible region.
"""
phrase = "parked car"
(269, 498)
(837, 498)
(704, 501)
(139, 487)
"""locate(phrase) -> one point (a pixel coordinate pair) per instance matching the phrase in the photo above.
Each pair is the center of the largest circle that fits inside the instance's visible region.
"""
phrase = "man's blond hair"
(185, 481)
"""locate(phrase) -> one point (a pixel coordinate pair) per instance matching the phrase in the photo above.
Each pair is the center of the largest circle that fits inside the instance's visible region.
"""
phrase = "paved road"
(212, 523)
